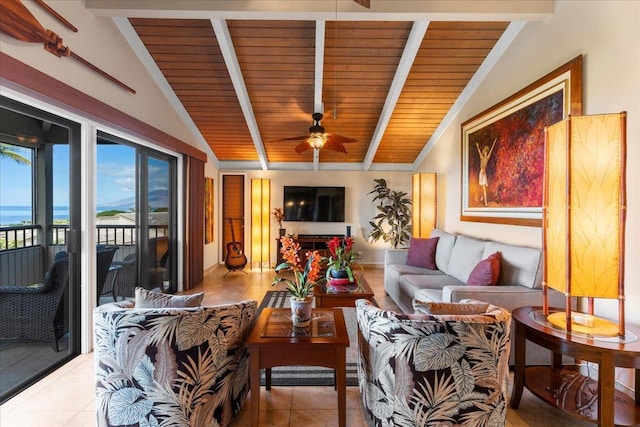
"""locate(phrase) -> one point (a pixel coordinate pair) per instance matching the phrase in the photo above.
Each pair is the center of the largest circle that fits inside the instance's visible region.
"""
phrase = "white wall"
(359, 209)
(606, 33)
(99, 41)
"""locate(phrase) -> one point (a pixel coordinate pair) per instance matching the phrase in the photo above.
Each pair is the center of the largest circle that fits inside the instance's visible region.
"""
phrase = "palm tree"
(12, 152)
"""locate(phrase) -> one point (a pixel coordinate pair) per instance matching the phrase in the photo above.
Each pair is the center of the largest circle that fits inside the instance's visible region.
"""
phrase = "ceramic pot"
(301, 311)
(338, 274)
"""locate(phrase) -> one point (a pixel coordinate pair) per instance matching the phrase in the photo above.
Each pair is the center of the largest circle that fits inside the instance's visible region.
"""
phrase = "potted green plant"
(341, 258)
(304, 279)
(393, 221)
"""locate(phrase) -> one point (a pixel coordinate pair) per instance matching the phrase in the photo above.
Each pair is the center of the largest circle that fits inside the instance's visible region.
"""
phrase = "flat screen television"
(314, 204)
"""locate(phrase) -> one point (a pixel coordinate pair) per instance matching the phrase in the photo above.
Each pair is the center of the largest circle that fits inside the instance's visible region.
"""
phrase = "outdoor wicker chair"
(125, 277)
(103, 263)
(125, 280)
(34, 312)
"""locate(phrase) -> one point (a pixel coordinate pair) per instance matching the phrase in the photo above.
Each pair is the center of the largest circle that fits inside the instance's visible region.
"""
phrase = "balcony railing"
(25, 258)
(21, 236)
(115, 235)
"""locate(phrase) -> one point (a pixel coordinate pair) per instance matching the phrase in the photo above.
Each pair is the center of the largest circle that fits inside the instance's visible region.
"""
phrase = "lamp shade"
(424, 203)
(584, 206)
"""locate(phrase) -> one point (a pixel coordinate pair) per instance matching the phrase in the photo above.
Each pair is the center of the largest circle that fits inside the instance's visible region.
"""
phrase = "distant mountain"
(157, 199)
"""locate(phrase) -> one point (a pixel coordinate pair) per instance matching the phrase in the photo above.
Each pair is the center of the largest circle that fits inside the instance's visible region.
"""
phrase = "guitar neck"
(233, 234)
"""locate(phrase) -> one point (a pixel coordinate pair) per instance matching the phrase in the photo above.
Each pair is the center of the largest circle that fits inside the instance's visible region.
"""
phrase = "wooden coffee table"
(274, 342)
(343, 299)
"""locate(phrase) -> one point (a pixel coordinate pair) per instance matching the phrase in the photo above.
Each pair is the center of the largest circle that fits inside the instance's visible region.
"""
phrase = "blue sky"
(116, 177)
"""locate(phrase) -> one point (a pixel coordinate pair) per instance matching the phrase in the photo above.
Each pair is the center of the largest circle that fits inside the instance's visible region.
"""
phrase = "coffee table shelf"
(343, 299)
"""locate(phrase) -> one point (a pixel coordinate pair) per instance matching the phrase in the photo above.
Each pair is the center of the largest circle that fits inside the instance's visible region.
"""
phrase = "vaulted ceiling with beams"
(246, 76)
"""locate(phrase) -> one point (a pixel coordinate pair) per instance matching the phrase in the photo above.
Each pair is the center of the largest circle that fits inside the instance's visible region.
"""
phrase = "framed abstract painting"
(503, 149)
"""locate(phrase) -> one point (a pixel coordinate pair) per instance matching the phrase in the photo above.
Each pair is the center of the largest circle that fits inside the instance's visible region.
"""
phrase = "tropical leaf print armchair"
(433, 370)
(171, 366)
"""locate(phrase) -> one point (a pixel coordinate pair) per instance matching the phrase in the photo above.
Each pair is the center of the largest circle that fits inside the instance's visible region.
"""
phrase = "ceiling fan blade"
(295, 138)
(365, 3)
(334, 145)
(340, 139)
(302, 147)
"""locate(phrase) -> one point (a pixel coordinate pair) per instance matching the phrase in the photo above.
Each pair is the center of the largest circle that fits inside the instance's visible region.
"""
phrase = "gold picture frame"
(503, 149)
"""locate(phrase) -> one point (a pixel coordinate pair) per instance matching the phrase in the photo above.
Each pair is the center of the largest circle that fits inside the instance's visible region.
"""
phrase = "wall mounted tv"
(314, 204)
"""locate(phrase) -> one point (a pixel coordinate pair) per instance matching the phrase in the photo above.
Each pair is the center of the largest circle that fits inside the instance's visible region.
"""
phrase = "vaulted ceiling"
(246, 76)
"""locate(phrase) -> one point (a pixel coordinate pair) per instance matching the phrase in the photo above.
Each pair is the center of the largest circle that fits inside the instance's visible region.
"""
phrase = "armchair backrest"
(420, 369)
(178, 366)
(57, 277)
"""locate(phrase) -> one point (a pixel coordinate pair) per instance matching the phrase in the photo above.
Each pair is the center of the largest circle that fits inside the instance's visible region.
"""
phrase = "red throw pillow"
(486, 272)
(422, 252)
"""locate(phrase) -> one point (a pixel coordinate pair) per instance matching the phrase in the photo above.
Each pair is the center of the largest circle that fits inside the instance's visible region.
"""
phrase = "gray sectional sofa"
(519, 283)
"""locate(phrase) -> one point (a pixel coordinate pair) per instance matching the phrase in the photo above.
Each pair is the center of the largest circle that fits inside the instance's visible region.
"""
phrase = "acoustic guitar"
(235, 259)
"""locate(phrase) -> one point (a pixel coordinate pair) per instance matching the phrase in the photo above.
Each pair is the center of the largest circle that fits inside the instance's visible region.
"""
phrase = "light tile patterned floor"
(65, 398)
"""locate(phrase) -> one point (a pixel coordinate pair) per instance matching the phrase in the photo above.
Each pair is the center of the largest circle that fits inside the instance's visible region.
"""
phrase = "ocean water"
(19, 215)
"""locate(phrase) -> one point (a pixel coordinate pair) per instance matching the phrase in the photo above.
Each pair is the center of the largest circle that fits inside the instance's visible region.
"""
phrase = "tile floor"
(65, 398)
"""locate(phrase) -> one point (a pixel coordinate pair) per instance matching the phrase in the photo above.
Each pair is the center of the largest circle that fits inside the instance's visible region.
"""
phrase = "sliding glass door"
(136, 208)
(40, 201)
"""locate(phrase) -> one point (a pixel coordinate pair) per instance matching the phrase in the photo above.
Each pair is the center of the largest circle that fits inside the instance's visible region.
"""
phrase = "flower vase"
(282, 231)
(301, 311)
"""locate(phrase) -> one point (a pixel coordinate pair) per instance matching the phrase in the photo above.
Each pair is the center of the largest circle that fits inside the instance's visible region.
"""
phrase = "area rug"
(311, 375)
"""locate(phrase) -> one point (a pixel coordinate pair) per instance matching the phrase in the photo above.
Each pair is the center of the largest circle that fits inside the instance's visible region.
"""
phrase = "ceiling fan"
(318, 138)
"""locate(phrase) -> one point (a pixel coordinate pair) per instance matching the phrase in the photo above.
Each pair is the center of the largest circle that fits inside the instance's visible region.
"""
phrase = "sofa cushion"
(148, 299)
(422, 252)
(403, 269)
(486, 272)
(428, 295)
(426, 307)
(520, 265)
(409, 283)
(443, 249)
(465, 255)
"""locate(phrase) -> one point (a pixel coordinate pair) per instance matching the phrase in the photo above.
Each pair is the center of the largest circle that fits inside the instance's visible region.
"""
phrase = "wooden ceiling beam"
(230, 58)
(318, 106)
(409, 53)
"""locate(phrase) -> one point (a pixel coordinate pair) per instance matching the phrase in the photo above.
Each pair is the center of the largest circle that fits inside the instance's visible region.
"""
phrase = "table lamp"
(584, 212)
(424, 203)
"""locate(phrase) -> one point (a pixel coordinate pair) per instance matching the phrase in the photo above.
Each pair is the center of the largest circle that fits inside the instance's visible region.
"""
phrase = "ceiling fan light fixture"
(317, 139)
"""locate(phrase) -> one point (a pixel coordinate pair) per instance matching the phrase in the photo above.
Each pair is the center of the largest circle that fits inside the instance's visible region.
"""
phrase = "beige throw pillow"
(148, 299)
(455, 308)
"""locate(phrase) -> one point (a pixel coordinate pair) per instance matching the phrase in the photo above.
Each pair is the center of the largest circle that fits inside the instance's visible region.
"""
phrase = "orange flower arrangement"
(304, 278)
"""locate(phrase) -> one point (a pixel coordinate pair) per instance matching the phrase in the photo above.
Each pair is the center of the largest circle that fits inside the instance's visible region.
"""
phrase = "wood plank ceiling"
(275, 66)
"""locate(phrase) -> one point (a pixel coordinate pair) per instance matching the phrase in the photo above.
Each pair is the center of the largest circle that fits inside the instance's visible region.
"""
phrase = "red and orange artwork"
(511, 150)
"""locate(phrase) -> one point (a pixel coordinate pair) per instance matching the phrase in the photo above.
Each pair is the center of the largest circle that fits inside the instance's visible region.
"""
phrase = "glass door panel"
(137, 213)
(159, 213)
(39, 330)
(116, 218)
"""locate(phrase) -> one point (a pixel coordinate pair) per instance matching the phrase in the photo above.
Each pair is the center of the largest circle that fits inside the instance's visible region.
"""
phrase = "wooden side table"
(565, 388)
(274, 342)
